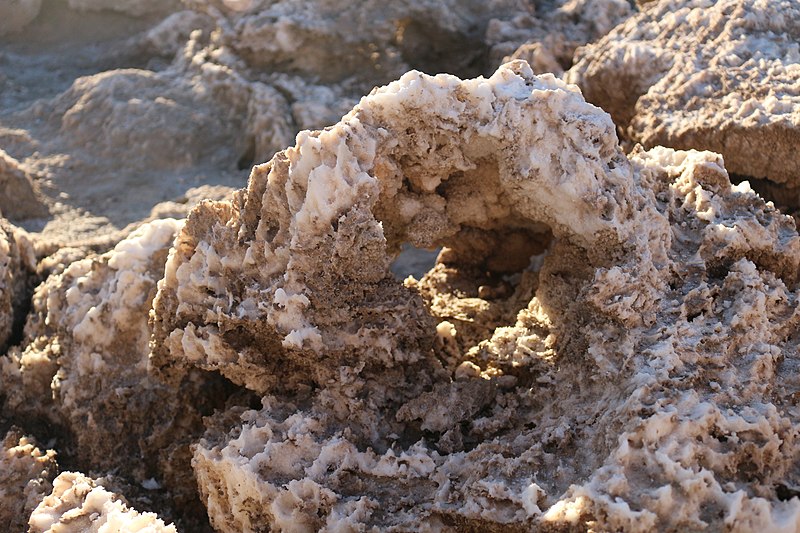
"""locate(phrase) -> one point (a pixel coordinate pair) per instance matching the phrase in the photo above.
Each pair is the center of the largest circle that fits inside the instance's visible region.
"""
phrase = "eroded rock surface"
(642, 379)
(719, 76)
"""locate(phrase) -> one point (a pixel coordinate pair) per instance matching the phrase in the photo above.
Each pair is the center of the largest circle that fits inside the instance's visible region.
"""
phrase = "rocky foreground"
(204, 330)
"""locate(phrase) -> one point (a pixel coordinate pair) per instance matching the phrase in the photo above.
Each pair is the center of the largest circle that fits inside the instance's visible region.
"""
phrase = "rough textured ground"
(718, 76)
(606, 340)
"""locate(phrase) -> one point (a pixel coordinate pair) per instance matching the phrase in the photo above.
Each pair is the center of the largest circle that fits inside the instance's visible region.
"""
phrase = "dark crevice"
(247, 159)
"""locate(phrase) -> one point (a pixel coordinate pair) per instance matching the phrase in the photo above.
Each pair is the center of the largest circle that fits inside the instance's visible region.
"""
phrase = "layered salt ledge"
(79, 505)
(718, 76)
(83, 369)
(281, 275)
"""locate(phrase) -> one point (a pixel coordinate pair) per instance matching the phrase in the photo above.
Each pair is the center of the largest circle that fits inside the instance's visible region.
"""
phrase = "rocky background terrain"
(420, 265)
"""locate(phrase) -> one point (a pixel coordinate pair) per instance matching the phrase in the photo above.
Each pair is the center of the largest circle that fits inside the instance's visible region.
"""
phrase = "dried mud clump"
(636, 372)
(79, 505)
(26, 474)
(719, 76)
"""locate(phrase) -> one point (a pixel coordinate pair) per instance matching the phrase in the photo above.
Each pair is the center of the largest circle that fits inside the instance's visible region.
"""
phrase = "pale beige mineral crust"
(719, 76)
(83, 370)
(79, 505)
(26, 474)
(644, 383)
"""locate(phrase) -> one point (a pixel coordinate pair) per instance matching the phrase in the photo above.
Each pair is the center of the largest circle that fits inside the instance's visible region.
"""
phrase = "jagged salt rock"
(718, 76)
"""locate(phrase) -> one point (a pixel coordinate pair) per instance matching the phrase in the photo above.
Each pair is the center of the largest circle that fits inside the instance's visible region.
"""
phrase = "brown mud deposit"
(607, 339)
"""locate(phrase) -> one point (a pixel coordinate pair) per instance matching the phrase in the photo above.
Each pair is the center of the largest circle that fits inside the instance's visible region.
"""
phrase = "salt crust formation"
(606, 341)
(720, 76)
(212, 89)
(26, 474)
(645, 380)
(84, 370)
(78, 505)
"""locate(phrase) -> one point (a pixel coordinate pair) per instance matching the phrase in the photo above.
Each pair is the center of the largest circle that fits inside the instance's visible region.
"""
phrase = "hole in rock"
(784, 197)
(483, 279)
(247, 159)
(413, 261)
(785, 492)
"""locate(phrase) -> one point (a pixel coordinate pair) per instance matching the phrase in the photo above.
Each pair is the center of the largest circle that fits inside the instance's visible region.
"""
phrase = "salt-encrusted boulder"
(278, 278)
(636, 370)
(82, 368)
(79, 505)
(719, 76)
(26, 474)
(549, 33)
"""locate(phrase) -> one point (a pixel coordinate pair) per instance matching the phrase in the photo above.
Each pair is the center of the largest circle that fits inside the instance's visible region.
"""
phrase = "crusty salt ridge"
(82, 367)
(25, 478)
(719, 76)
(78, 505)
(647, 384)
(305, 236)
